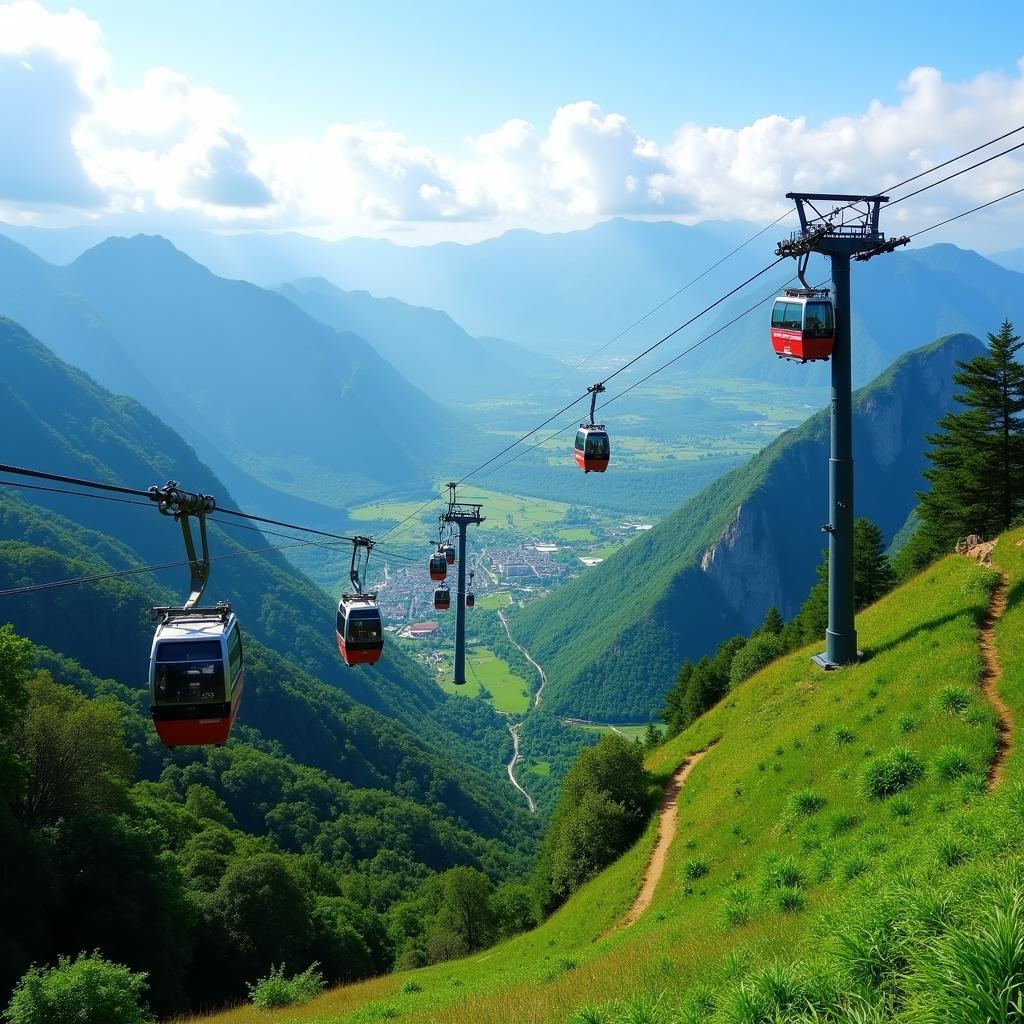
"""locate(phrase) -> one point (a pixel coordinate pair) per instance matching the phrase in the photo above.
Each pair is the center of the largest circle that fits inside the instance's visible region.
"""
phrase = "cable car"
(449, 553)
(442, 598)
(803, 324)
(470, 596)
(360, 630)
(438, 565)
(196, 675)
(592, 450)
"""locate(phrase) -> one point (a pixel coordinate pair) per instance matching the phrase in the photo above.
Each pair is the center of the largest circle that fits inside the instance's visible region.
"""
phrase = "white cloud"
(72, 138)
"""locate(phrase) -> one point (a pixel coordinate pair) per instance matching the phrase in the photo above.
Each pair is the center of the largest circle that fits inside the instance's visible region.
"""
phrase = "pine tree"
(772, 621)
(873, 574)
(977, 471)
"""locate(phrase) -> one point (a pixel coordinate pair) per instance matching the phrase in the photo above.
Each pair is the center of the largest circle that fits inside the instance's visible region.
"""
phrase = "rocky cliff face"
(767, 554)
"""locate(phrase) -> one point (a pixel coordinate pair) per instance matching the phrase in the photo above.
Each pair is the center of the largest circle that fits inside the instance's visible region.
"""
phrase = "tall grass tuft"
(889, 773)
(954, 700)
(976, 974)
(805, 802)
(952, 761)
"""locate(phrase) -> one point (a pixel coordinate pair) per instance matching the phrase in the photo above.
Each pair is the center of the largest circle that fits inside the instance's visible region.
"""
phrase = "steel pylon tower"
(847, 231)
(462, 515)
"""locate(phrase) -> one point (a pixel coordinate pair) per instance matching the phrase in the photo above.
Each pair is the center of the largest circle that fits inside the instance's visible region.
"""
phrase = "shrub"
(954, 700)
(760, 650)
(88, 989)
(806, 802)
(842, 735)
(694, 869)
(277, 989)
(410, 987)
(889, 773)
(952, 761)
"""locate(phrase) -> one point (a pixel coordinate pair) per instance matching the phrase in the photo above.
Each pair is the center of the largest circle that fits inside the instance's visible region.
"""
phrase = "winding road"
(539, 696)
(514, 729)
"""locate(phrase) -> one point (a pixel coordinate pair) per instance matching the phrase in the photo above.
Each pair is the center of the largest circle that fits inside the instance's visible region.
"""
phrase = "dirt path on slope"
(666, 833)
(990, 676)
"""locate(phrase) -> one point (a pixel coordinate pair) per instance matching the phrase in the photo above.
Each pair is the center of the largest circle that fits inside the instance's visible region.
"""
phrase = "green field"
(542, 769)
(501, 511)
(508, 691)
(494, 601)
(576, 533)
(629, 731)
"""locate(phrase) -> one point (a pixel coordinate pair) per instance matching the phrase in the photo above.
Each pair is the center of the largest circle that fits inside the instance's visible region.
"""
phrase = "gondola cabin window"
(364, 626)
(235, 655)
(788, 316)
(818, 322)
(189, 672)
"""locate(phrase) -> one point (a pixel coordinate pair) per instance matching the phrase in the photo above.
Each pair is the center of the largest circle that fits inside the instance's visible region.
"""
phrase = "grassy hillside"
(782, 854)
(612, 640)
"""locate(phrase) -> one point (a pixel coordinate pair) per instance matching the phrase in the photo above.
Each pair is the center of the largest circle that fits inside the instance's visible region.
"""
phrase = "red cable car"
(438, 566)
(470, 596)
(360, 629)
(442, 598)
(803, 324)
(592, 450)
(449, 553)
(196, 675)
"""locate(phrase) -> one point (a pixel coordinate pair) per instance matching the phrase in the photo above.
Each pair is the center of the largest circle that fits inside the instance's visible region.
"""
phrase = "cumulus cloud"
(72, 138)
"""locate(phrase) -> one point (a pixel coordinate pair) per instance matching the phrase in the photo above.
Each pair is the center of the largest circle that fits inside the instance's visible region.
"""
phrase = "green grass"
(542, 769)
(494, 601)
(484, 669)
(576, 533)
(776, 816)
(501, 511)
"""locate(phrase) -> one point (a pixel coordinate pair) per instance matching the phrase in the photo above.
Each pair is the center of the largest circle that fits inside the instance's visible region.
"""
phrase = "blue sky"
(460, 120)
(448, 70)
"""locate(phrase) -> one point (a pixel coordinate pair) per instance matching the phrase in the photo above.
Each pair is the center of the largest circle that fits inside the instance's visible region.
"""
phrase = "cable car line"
(665, 302)
(117, 574)
(956, 174)
(22, 485)
(937, 167)
(949, 220)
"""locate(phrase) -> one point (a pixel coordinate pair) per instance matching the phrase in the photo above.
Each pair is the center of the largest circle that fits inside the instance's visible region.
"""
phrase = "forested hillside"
(749, 541)
(374, 774)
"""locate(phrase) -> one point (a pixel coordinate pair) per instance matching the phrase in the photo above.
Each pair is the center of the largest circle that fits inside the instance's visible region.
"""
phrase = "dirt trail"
(990, 676)
(666, 833)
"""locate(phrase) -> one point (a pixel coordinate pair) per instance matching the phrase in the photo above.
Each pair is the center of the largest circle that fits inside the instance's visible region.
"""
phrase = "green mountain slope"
(788, 884)
(612, 639)
(388, 727)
